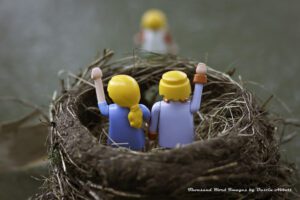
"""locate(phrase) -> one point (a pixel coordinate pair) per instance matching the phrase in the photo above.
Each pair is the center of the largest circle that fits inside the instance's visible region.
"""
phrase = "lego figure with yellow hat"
(126, 115)
(154, 35)
(172, 119)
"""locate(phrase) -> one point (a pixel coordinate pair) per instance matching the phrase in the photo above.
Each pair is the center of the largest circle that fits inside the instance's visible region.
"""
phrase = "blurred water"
(40, 37)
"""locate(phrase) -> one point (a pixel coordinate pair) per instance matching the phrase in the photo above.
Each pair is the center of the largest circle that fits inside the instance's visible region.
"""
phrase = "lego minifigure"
(126, 115)
(172, 118)
(154, 35)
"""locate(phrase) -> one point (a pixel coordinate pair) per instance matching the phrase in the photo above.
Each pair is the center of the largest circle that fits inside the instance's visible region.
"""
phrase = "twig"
(25, 103)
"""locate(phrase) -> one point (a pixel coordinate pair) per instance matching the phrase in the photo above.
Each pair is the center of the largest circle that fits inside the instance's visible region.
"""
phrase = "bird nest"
(235, 148)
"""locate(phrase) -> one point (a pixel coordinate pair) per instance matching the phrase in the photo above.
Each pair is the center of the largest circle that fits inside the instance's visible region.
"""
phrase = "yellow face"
(175, 86)
(124, 90)
(154, 19)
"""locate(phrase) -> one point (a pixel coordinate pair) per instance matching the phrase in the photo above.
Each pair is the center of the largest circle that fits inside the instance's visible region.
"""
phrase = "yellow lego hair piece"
(175, 86)
(154, 19)
(125, 91)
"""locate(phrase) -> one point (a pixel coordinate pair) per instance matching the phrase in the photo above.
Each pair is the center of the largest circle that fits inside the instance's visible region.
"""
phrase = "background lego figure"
(154, 35)
(126, 115)
(172, 119)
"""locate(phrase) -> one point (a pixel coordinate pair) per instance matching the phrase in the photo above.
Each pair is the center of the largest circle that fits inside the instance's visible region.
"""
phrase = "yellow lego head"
(125, 91)
(154, 19)
(175, 86)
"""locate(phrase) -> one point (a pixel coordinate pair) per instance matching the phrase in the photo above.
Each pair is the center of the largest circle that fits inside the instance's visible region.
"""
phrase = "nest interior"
(235, 148)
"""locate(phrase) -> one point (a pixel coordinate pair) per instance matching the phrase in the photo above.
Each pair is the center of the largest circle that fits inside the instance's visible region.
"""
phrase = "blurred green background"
(260, 38)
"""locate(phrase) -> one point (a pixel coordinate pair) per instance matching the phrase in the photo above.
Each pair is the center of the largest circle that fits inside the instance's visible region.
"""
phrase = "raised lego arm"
(197, 96)
(97, 77)
(199, 79)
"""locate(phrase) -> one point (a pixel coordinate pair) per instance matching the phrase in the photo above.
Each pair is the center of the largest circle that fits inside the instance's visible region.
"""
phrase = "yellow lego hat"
(175, 85)
(154, 19)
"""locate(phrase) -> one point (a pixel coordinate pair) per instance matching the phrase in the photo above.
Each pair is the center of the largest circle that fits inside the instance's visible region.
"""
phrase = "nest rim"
(81, 146)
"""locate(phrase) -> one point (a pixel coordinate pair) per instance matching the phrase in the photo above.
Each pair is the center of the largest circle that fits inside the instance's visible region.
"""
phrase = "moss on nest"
(235, 144)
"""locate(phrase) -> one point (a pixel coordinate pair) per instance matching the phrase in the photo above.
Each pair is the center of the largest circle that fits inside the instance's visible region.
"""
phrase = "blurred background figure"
(154, 35)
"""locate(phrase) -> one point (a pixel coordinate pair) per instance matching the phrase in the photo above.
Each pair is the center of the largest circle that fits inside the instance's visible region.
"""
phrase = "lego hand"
(96, 73)
(201, 68)
(152, 136)
(200, 76)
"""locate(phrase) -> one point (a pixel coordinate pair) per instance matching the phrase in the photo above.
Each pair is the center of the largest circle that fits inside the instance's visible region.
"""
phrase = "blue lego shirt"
(174, 121)
(120, 131)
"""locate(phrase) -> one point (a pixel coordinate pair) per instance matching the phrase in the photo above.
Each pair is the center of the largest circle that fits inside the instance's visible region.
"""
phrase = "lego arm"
(199, 79)
(172, 46)
(146, 113)
(97, 77)
(153, 129)
(138, 38)
(197, 96)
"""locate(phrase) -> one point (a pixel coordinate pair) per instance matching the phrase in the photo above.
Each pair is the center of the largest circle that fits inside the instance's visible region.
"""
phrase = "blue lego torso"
(174, 121)
(176, 124)
(120, 131)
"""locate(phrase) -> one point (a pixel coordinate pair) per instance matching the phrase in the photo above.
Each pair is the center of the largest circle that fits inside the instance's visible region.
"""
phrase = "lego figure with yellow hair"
(154, 35)
(126, 115)
(172, 119)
